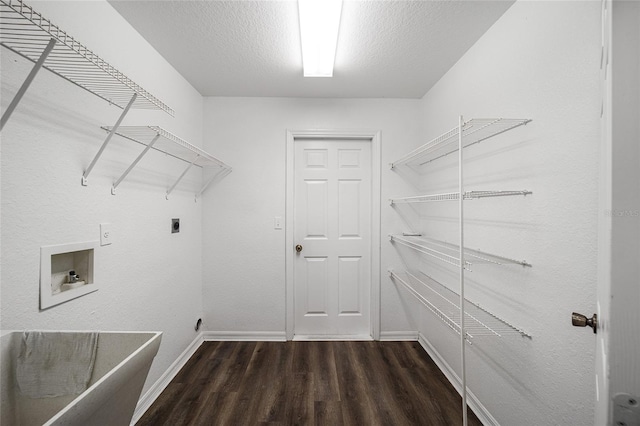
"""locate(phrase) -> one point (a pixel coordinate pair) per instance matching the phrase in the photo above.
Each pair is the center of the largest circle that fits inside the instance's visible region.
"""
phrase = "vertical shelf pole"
(170, 190)
(108, 138)
(16, 99)
(463, 332)
(138, 158)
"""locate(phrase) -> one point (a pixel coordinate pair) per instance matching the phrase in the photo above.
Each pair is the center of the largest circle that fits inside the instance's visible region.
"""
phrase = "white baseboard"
(245, 336)
(331, 337)
(480, 410)
(398, 336)
(154, 391)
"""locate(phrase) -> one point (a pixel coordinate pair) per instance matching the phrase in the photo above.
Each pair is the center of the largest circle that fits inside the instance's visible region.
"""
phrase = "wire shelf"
(473, 131)
(158, 139)
(450, 253)
(454, 196)
(169, 144)
(445, 304)
(27, 33)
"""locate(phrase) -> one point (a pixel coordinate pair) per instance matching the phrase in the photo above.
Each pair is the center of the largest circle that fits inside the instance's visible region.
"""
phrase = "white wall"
(244, 257)
(539, 61)
(149, 279)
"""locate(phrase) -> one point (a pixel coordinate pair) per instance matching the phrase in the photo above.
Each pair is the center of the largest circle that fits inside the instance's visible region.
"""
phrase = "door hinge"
(626, 410)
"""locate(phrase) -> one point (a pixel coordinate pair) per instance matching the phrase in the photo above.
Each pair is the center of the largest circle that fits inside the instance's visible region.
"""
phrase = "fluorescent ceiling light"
(319, 24)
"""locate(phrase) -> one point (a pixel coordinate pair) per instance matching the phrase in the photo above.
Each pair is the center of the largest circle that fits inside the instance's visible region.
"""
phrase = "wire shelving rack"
(454, 196)
(32, 36)
(470, 132)
(159, 139)
(444, 303)
(450, 253)
(463, 321)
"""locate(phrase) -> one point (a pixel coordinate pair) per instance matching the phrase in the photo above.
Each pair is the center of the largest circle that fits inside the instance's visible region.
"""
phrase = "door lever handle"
(579, 320)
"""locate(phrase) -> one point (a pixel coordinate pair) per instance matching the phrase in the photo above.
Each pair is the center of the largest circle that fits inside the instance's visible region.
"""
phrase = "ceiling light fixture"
(319, 25)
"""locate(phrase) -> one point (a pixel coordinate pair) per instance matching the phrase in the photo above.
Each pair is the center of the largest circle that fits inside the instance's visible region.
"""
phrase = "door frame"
(374, 138)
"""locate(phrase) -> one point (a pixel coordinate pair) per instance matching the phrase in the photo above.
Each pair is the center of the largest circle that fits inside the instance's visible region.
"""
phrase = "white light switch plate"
(106, 235)
(277, 222)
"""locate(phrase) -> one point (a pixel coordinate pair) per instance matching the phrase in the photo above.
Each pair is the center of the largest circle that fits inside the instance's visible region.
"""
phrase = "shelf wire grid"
(454, 196)
(450, 253)
(27, 33)
(473, 132)
(176, 147)
(451, 259)
(444, 303)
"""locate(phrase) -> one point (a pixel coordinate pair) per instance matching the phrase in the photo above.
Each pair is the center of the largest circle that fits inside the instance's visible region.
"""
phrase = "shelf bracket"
(135, 162)
(170, 190)
(216, 177)
(113, 130)
(16, 99)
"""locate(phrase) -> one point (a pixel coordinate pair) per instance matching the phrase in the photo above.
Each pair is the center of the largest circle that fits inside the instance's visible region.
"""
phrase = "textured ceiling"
(386, 49)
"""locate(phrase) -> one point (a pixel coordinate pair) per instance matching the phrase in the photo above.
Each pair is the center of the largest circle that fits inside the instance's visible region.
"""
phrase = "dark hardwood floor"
(307, 383)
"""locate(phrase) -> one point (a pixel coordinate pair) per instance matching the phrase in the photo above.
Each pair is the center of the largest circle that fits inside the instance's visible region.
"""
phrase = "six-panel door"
(333, 226)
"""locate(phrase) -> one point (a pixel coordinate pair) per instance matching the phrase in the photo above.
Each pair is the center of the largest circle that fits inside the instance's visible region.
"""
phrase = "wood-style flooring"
(308, 383)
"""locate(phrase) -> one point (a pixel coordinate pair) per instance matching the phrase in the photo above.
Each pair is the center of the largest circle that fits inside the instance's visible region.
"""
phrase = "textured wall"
(149, 279)
(244, 257)
(539, 61)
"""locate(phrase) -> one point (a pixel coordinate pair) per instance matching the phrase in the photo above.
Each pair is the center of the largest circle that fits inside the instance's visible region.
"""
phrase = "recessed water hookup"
(67, 271)
(175, 226)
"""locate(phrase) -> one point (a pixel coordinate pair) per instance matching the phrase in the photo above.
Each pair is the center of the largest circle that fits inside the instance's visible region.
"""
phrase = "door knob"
(298, 248)
(579, 320)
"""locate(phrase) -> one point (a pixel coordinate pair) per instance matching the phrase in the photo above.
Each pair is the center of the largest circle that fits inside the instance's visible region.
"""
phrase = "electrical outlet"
(106, 235)
(175, 226)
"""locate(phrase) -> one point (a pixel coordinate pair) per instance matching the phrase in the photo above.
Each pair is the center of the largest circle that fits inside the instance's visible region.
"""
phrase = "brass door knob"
(579, 320)
(298, 248)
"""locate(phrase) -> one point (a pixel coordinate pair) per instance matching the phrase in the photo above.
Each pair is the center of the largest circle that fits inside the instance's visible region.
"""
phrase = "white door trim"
(374, 137)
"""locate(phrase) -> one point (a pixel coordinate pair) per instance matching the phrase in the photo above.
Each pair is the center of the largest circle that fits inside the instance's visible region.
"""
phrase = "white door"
(332, 226)
(618, 341)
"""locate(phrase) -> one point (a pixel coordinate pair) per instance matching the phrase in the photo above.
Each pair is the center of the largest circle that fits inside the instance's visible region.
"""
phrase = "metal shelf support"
(463, 364)
(20, 93)
(172, 146)
(216, 177)
(135, 162)
(170, 190)
(85, 176)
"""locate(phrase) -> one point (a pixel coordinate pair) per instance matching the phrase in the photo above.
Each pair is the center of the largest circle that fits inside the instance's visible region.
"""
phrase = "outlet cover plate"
(106, 235)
